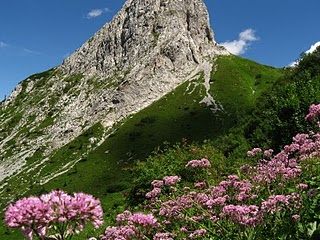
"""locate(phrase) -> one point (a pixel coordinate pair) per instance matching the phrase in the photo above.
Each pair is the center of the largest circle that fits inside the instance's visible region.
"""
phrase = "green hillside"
(235, 84)
(279, 113)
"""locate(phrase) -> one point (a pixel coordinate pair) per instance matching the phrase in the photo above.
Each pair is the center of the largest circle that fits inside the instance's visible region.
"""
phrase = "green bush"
(172, 160)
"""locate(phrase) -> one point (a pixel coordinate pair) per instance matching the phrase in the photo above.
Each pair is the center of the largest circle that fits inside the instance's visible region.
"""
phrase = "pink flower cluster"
(252, 199)
(231, 200)
(279, 167)
(268, 153)
(302, 186)
(243, 214)
(171, 180)
(203, 163)
(277, 203)
(285, 165)
(131, 226)
(31, 215)
(227, 200)
(314, 112)
(153, 193)
(254, 152)
(164, 236)
(216, 201)
(198, 233)
(39, 215)
(145, 220)
(119, 233)
(158, 184)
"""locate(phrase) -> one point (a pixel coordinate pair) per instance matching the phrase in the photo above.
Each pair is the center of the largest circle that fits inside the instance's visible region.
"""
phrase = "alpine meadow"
(152, 130)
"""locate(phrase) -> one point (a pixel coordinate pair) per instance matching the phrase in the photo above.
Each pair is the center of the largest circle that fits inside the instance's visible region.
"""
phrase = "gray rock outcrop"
(154, 45)
(166, 34)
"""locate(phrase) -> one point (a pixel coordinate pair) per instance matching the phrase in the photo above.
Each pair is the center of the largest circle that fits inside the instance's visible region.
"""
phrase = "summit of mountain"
(153, 36)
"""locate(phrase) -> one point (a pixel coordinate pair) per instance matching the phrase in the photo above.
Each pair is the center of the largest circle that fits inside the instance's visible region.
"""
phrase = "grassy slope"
(236, 84)
(177, 115)
(239, 82)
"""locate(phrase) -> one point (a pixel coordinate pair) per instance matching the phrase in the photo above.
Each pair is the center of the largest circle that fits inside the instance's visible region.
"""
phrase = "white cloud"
(313, 47)
(31, 51)
(2, 45)
(240, 46)
(94, 13)
(310, 50)
(236, 47)
(293, 64)
(107, 10)
(248, 35)
(97, 12)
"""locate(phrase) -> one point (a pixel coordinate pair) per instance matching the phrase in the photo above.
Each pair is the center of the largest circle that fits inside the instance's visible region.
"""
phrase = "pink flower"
(38, 215)
(296, 217)
(203, 163)
(302, 186)
(242, 214)
(233, 177)
(157, 183)
(314, 112)
(163, 236)
(254, 152)
(242, 197)
(198, 233)
(119, 233)
(145, 220)
(30, 215)
(277, 203)
(154, 193)
(268, 153)
(200, 184)
(123, 216)
(183, 229)
(171, 180)
(166, 222)
(87, 208)
(185, 201)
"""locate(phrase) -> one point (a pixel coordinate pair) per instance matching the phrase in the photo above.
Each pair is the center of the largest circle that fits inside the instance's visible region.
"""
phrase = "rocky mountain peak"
(172, 34)
(147, 50)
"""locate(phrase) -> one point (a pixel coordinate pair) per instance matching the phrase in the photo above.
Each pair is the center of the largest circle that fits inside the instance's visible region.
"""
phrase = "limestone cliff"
(161, 35)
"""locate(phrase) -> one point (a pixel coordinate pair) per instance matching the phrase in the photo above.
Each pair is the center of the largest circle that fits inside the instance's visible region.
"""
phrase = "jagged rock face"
(153, 44)
(169, 33)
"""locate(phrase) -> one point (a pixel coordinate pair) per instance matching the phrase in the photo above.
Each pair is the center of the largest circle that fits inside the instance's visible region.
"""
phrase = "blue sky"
(36, 35)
